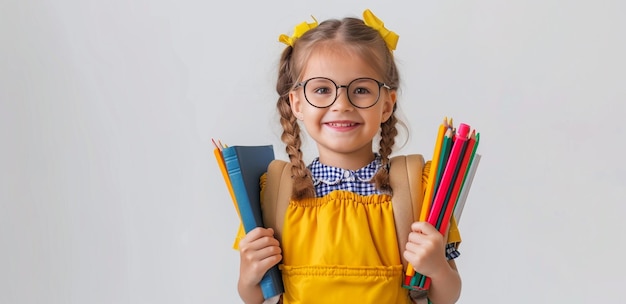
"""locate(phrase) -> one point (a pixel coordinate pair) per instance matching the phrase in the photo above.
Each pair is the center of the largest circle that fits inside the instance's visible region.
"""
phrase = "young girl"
(339, 80)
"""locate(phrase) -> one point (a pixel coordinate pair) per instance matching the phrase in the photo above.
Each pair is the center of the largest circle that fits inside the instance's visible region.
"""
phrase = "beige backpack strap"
(276, 196)
(405, 177)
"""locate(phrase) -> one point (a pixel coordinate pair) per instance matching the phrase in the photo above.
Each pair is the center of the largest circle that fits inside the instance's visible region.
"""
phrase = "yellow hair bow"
(299, 30)
(372, 21)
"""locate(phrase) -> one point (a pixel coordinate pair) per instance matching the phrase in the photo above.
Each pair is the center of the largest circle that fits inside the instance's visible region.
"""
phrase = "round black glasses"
(322, 92)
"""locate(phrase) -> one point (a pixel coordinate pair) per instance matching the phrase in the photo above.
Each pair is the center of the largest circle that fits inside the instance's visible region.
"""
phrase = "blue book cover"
(245, 166)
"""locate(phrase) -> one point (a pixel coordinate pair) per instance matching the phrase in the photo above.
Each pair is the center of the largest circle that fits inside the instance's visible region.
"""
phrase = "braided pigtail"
(388, 134)
(302, 182)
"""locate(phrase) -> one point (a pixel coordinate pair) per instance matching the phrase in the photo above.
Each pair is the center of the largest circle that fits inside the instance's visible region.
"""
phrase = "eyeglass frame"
(337, 87)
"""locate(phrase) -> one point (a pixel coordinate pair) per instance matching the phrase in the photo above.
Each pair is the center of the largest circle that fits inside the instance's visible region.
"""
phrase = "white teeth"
(334, 124)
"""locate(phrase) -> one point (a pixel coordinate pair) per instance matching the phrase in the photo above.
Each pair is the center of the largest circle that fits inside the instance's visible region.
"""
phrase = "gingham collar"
(330, 175)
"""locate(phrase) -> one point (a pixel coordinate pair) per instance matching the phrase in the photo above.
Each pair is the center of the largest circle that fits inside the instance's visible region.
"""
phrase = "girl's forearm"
(250, 294)
(445, 286)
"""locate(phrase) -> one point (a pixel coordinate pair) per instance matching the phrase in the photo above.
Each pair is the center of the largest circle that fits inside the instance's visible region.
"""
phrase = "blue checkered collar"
(333, 176)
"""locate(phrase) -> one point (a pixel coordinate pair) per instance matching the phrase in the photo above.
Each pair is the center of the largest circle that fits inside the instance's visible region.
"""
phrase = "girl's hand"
(258, 252)
(425, 249)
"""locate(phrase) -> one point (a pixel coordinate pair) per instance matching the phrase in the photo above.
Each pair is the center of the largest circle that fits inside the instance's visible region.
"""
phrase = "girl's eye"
(361, 91)
(322, 90)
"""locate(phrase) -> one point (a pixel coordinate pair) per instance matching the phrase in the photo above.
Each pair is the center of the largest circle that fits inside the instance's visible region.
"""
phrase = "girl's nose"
(342, 103)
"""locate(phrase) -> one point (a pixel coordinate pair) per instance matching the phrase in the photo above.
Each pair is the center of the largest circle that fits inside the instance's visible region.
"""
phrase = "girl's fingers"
(424, 228)
(258, 238)
(264, 253)
(258, 232)
(254, 263)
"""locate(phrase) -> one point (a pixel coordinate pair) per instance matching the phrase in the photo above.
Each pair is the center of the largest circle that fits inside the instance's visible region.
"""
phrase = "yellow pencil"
(428, 195)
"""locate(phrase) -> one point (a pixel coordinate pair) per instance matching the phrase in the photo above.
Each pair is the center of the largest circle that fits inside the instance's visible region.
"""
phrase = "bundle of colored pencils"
(451, 172)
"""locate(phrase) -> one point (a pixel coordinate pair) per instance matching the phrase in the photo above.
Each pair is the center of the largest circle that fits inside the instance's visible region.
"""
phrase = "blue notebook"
(245, 165)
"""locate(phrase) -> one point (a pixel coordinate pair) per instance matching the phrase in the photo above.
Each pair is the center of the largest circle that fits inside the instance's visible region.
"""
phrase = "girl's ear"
(389, 104)
(296, 104)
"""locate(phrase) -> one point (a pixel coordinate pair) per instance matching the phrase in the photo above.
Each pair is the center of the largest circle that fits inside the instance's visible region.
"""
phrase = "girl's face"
(343, 133)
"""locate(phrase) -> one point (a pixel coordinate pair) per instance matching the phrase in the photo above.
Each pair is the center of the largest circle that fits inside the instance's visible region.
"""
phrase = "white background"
(109, 191)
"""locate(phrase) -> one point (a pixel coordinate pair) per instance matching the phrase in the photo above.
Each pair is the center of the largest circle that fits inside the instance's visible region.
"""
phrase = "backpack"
(405, 177)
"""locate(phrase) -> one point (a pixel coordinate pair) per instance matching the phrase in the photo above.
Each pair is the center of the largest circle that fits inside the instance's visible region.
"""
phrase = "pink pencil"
(458, 183)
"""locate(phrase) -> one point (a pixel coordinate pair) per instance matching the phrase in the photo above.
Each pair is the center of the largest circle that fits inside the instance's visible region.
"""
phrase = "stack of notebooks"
(452, 171)
(242, 168)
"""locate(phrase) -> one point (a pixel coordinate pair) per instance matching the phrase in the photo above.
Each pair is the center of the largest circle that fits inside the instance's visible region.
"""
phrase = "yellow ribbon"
(372, 21)
(299, 30)
(391, 38)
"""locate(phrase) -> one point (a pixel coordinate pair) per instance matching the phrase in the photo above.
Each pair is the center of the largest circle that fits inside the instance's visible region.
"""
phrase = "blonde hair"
(351, 33)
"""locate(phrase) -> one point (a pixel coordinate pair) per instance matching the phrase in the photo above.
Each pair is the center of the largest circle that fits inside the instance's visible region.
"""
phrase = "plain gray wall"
(109, 192)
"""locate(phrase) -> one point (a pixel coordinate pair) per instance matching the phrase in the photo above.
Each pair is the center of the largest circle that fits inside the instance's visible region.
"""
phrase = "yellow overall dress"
(342, 248)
